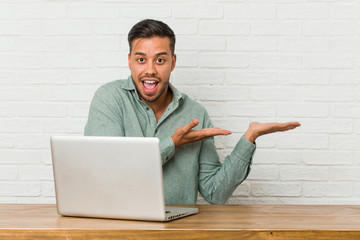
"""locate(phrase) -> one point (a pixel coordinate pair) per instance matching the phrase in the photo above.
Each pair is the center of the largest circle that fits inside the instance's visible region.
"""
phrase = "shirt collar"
(129, 85)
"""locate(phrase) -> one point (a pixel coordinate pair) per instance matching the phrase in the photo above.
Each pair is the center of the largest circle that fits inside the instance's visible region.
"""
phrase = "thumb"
(191, 125)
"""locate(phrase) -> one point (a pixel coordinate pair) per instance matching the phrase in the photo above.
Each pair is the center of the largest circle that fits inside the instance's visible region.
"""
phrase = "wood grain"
(21, 221)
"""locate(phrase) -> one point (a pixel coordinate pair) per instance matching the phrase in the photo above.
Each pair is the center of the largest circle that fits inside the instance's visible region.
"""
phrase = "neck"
(160, 105)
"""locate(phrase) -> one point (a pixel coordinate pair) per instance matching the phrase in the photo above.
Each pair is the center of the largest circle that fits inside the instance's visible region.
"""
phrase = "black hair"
(149, 28)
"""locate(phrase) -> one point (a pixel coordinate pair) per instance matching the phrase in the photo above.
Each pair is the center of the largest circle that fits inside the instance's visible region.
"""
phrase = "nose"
(150, 68)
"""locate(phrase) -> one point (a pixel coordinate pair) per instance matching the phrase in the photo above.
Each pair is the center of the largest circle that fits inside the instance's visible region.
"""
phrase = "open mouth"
(149, 86)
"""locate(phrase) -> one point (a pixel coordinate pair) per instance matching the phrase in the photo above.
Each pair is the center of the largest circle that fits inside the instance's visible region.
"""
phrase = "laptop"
(111, 177)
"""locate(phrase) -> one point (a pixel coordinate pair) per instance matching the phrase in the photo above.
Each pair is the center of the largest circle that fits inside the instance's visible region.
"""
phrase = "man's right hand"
(186, 134)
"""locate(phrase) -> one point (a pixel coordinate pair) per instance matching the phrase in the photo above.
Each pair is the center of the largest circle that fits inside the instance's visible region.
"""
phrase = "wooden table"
(22, 221)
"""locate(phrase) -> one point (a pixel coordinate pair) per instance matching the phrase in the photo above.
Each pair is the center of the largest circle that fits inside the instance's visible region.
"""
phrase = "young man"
(147, 105)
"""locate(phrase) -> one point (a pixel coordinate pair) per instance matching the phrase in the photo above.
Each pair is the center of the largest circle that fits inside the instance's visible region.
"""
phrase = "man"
(147, 105)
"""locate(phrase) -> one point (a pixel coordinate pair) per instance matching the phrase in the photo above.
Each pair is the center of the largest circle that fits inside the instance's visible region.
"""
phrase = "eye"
(141, 60)
(160, 60)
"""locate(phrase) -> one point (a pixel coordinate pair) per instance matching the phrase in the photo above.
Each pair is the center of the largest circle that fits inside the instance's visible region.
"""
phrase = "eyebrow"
(143, 54)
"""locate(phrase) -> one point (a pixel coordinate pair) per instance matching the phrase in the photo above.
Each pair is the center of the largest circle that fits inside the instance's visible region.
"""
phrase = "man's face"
(151, 63)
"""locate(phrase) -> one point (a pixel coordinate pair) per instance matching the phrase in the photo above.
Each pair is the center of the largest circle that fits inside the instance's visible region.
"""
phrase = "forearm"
(217, 183)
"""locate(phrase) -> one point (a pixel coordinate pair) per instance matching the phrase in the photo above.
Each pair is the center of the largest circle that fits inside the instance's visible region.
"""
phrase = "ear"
(129, 56)
(173, 62)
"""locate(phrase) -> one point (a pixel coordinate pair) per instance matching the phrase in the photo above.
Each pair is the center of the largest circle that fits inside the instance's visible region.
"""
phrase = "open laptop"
(111, 177)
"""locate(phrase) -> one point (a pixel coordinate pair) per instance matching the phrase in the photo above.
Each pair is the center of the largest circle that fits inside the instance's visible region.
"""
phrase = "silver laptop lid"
(111, 177)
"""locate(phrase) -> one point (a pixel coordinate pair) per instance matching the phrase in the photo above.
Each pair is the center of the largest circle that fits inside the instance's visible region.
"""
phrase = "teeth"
(150, 82)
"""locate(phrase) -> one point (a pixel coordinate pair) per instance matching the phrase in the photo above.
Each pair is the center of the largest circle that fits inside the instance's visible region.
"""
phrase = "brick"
(327, 125)
(6, 12)
(200, 43)
(250, 78)
(70, 126)
(12, 60)
(20, 93)
(326, 189)
(223, 93)
(327, 157)
(113, 27)
(275, 189)
(41, 44)
(221, 60)
(304, 77)
(21, 28)
(198, 11)
(328, 28)
(303, 11)
(188, 90)
(43, 110)
(8, 173)
(302, 141)
(224, 28)
(66, 60)
(42, 77)
(111, 59)
(345, 173)
(254, 44)
(304, 44)
(35, 173)
(7, 78)
(94, 11)
(89, 44)
(7, 110)
(357, 126)
(298, 173)
(343, 110)
(67, 27)
(276, 156)
(264, 173)
(7, 44)
(251, 109)
(215, 109)
(344, 77)
(32, 141)
(271, 61)
(17, 156)
(328, 62)
(19, 125)
(275, 94)
(197, 77)
(328, 94)
(250, 11)
(303, 109)
(345, 11)
(41, 11)
(238, 125)
(344, 142)
(18, 189)
(265, 141)
(48, 189)
(276, 28)
(69, 93)
(6, 141)
(148, 11)
(342, 44)
(79, 110)
(242, 190)
(187, 59)
(95, 76)
(183, 26)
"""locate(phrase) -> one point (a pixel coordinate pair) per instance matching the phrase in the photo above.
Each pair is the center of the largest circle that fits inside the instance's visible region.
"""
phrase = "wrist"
(251, 135)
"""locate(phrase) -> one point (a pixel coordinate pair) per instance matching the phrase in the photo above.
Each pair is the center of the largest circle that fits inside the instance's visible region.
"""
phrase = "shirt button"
(147, 108)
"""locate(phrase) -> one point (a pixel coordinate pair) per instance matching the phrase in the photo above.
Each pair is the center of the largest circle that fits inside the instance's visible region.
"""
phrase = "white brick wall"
(261, 60)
